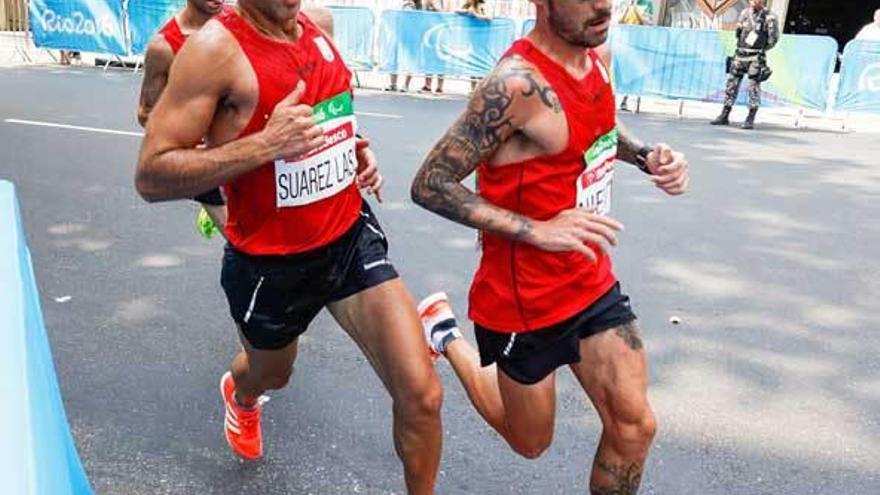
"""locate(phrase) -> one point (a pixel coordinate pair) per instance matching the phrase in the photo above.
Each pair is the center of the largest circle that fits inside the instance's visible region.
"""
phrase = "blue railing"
(860, 77)
(649, 60)
(37, 455)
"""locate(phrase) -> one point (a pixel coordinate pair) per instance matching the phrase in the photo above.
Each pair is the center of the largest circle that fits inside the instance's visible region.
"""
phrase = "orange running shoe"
(242, 425)
(438, 323)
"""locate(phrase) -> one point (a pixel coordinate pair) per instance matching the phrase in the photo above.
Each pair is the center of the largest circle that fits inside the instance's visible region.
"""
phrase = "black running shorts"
(530, 357)
(275, 298)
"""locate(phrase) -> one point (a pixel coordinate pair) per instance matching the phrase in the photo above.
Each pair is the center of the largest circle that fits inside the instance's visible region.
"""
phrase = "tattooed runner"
(541, 133)
(266, 88)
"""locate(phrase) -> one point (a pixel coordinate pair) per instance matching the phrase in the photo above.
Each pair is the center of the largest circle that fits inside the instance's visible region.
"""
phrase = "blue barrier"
(37, 455)
(353, 35)
(83, 25)
(689, 64)
(422, 42)
(859, 89)
(145, 17)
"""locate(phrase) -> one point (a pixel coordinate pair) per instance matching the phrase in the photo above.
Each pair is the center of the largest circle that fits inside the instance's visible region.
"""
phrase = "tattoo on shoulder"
(535, 87)
(630, 334)
(625, 479)
(472, 139)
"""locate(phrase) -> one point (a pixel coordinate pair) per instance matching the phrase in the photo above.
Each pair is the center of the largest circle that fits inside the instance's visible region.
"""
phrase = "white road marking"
(73, 127)
(101, 130)
(380, 115)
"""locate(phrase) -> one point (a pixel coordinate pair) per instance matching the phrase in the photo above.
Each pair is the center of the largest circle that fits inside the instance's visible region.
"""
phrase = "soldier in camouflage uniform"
(756, 32)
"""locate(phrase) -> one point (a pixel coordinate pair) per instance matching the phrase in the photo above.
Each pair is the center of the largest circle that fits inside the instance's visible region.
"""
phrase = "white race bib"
(594, 184)
(328, 170)
(752, 38)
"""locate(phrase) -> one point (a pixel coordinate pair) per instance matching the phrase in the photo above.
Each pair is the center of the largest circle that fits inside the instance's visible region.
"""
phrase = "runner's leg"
(613, 373)
(254, 371)
(384, 323)
(523, 415)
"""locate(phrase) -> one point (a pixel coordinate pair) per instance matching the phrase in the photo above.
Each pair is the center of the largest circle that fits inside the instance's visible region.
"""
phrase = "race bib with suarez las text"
(328, 170)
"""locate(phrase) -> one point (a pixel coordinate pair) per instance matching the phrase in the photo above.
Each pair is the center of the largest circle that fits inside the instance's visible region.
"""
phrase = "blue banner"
(420, 42)
(859, 89)
(37, 455)
(353, 35)
(146, 17)
(81, 25)
(689, 64)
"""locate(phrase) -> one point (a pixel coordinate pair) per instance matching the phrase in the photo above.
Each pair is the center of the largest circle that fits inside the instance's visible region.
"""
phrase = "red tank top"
(173, 35)
(300, 203)
(518, 287)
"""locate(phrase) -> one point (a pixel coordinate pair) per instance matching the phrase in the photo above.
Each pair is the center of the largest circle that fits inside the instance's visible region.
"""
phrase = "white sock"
(443, 333)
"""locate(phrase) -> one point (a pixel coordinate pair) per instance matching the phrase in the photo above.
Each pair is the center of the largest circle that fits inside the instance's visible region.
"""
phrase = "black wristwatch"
(642, 158)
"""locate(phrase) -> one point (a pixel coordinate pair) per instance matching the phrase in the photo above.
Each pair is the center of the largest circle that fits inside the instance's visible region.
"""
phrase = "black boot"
(724, 118)
(750, 120)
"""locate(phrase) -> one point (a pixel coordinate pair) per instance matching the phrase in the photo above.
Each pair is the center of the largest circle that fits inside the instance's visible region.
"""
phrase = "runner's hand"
(669, 170)
(573, 230)
(291, 130)
(369, 177)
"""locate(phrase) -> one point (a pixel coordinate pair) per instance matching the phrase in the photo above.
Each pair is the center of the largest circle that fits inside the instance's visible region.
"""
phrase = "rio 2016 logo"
(77, 24)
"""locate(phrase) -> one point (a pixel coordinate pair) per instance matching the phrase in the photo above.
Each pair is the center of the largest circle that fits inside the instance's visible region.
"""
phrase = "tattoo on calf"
(630, 334)
(625, 479)
(473, 138)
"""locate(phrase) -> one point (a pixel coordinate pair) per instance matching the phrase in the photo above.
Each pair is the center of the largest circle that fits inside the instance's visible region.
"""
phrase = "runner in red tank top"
(157, 63)
(269, 93)
(541, 133)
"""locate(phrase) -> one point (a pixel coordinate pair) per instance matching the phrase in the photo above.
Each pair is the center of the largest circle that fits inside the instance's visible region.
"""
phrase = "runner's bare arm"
(157, 62)
(502, 105)
(322, 17)
(668, 168)
(170, 165)
(628, 145)
(497, 110)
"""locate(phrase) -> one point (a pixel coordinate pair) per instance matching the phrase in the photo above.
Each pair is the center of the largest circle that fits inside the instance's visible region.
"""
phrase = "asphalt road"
(771, 383)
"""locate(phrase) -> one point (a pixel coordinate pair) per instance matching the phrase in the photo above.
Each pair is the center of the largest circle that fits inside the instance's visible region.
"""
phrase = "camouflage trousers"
(738, 70)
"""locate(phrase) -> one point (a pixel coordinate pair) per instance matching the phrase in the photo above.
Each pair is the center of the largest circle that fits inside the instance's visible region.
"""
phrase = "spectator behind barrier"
(429, 5)
(477, 9)
(433, 6)
(635, 16)
(407, 5)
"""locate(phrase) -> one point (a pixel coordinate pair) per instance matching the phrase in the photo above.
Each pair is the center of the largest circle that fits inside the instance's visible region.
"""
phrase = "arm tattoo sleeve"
(628, 145)
(473, 138)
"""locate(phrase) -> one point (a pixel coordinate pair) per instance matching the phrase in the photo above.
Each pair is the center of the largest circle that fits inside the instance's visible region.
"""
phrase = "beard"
(583, 35)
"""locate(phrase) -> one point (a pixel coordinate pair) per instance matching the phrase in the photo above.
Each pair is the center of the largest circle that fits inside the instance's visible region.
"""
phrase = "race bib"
(328, 170)
(594, 184)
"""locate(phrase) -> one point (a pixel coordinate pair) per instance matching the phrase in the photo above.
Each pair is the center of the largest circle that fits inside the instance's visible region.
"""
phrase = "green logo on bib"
(603, 148)
(333, 108)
